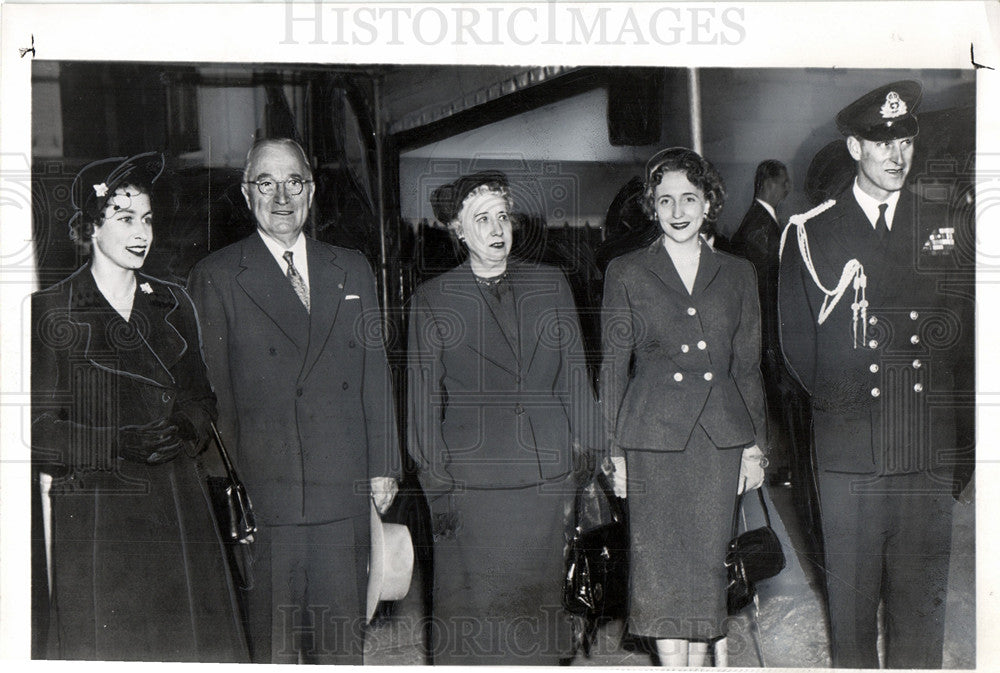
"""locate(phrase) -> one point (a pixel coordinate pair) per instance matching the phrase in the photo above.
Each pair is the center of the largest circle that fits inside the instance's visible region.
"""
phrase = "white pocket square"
(351, 296)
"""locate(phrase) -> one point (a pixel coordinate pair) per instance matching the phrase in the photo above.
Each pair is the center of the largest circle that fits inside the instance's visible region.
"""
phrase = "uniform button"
(873, 344)
(344, 385)
(873, 368)
(678, 377)
(517, 379)
(914, 339)
(298, 392)
(702, 345)
(876, 392)
(272, 351)
(518, 409)
(165, 397)
(708, 376)
(917, 364)
(685, 348)
(351, 344)
(691, 310)
(914, 315)
(873, 320)
(918, 387)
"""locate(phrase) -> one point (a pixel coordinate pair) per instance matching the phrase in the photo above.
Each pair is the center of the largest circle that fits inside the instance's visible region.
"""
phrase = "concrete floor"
(786, 629)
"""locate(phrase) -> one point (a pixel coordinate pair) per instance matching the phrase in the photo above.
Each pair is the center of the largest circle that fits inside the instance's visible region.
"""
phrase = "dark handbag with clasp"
(752, 557)
(230, 502)
(596, 582)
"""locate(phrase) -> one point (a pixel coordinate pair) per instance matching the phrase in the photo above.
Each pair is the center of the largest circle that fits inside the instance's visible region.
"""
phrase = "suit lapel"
(708, 269)
(326, 291)
(485, 331)
(659, 264)
(262, 280)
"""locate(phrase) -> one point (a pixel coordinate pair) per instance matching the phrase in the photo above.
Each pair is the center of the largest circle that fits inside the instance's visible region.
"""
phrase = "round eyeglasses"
(293, 186)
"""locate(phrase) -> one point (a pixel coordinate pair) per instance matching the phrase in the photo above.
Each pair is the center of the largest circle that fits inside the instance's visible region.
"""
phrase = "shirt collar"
(769, 208)
(298, 249)
(870, 205)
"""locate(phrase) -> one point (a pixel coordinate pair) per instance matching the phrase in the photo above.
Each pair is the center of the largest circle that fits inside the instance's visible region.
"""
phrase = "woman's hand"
(153, 443)
(614, 468)
(751, 469)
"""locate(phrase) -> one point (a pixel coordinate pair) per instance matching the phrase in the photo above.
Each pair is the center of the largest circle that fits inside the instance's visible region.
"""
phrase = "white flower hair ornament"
(101, 190)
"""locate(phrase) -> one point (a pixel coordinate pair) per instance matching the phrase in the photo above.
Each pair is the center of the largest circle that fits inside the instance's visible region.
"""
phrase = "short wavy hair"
(699, 172)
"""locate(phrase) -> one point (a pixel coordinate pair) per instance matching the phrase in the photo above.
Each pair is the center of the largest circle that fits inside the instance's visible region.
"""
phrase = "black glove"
(154, 443)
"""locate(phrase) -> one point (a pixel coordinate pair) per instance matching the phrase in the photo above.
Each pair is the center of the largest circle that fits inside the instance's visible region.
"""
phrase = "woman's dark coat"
(675, 360)
(488, 413)
(137, 564)
(496, 418)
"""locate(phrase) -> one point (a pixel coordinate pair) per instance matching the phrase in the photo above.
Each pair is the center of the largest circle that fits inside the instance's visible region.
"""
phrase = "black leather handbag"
(752, 556)
(596, 583)
(230, 502)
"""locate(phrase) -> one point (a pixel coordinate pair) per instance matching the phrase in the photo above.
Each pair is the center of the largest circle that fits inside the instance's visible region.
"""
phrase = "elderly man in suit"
(881, 366)
(291, 337)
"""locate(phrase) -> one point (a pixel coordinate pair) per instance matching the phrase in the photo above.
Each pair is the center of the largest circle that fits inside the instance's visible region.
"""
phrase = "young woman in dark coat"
(499, 406)
(684, 406)
(121, 406)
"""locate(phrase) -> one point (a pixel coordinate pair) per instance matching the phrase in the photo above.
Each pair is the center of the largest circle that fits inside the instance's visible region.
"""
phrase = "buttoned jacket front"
(305, 397)
(488, 412)
(674, 360)
(881, 387)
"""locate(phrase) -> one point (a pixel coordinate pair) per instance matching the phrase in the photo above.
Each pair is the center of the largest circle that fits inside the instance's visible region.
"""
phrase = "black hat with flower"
(98, 186)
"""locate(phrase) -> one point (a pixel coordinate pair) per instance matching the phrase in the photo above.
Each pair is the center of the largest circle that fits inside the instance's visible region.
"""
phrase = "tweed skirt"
(680, 520)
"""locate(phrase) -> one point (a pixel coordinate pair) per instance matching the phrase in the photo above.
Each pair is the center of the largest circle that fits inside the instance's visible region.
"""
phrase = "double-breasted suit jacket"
(306, 397)
(137, 565)
(676, 360)
(881, 388)
(487, 410)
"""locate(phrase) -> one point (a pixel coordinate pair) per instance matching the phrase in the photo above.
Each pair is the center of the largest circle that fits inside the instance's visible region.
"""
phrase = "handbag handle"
(226, 462)
(736, 510)
(614, 502)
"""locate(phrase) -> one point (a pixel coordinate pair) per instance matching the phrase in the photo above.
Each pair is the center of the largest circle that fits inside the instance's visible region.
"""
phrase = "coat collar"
(659, 263)
(145, 348)
(327, 280)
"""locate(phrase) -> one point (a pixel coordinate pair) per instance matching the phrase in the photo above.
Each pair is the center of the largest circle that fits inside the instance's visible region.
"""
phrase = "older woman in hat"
(684, 405)
(121, 406)
(499, 402)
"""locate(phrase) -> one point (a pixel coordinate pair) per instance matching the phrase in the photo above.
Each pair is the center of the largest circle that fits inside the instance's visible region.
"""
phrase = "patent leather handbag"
(752, 556)
(230, 503)
(596, 582)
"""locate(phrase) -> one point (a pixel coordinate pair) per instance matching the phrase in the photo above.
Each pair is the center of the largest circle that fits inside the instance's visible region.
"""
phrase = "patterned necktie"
(881, 227)
(298, 284)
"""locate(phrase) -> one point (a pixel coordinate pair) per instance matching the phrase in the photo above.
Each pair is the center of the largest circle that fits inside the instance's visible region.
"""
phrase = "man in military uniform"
(872, 333)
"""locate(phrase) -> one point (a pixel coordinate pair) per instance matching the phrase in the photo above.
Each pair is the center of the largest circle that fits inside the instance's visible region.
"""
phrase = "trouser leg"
(917, 561)
(853, 537)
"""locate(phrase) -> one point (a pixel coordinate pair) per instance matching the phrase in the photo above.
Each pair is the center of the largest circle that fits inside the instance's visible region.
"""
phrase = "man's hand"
(384, 490)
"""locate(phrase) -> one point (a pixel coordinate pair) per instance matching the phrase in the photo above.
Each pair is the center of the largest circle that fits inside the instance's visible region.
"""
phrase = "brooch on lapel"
(940, 242)
(146, 288)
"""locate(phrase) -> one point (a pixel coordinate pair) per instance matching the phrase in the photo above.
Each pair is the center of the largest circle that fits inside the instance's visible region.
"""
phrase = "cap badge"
(893, 107)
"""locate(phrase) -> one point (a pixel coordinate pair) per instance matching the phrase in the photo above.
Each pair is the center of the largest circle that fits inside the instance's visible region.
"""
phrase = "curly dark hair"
(698, 170)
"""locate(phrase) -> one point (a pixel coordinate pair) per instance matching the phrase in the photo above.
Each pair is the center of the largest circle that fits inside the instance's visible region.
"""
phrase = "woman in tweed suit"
(684, 405)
